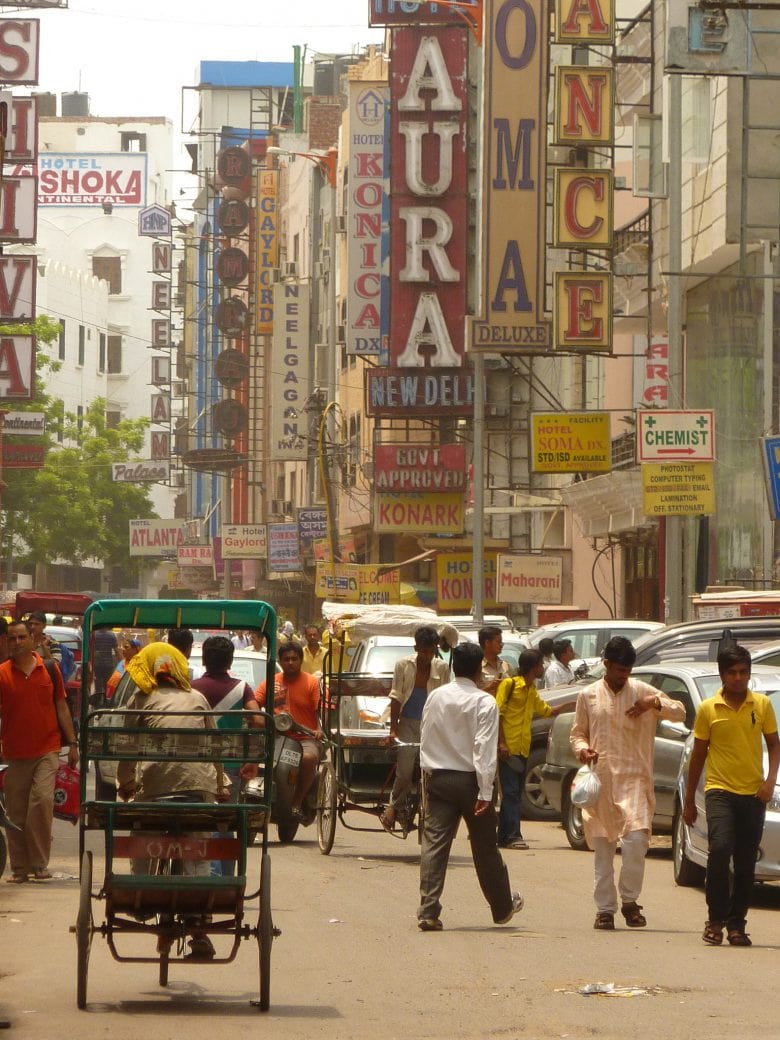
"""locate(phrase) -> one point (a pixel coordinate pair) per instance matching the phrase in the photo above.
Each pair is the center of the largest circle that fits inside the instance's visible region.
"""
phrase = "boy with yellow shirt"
(728, 734)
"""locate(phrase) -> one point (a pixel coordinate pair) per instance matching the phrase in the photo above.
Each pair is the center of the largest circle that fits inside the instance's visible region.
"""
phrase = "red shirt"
(300, 697)
(29, 719)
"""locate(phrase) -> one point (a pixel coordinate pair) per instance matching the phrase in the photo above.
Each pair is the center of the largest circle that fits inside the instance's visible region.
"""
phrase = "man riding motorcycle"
(298, 694)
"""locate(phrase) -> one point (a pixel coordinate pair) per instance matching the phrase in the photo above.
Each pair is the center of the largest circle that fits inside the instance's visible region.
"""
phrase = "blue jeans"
(509, 813)
(735, 823)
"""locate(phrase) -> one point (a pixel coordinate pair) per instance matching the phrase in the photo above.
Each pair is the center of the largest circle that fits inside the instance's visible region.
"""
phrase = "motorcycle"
(287, 761)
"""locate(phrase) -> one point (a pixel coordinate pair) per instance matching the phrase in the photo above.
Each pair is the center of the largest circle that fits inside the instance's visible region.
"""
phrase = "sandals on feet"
(16, 879)
(42, 875)
(605, 921)
(738, 937)
(713, 933)
(633, 915)
(387, 819)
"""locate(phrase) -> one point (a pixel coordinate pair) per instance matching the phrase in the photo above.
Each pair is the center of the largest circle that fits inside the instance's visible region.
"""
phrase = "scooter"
(287, 761)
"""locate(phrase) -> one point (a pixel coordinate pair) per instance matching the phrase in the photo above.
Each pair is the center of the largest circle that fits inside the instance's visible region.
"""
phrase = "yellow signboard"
(267, 248)
(357, 583)
(584, 105)
(583, 209)
(419, 514)
(678, 488)
(513, 211)
(570, 442)
(455, 582)
(583, 310)
(584, 21)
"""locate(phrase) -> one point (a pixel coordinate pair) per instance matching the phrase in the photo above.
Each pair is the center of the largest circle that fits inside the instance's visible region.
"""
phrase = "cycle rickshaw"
(159, 899)
(358, 774)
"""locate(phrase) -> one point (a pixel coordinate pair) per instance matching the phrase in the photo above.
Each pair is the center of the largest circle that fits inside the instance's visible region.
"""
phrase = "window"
(102, 353)
(109, 269)
(113, 419)
(80, 419)
(353, 450)
(61, 341)
(131, 142)
(82, 341)
(114, 355)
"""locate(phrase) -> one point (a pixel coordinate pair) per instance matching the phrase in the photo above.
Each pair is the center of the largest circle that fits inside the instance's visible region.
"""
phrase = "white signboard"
(244, 541)
(18, 209)
(290, 384)
(25, 424)
(155, 537)
(664, 435)
(141, 471)
(91, 178)
(17, 367)
(154, 220)
(195, 556)
(529, 579)
(283, 550)
(368, 193)
(19, 51)
(17, 287)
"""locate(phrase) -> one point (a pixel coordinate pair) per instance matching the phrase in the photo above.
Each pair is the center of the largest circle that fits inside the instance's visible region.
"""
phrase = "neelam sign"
(77, 179)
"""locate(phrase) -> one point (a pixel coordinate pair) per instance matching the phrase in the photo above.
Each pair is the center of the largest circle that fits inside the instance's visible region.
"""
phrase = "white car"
(589, 637)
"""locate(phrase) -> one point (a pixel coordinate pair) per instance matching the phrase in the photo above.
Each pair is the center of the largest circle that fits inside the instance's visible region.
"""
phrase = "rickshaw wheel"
(265, 932)
(84, 929)
(326, 807)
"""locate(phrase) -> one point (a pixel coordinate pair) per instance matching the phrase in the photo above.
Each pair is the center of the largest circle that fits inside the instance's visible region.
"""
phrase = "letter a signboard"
(664, 435)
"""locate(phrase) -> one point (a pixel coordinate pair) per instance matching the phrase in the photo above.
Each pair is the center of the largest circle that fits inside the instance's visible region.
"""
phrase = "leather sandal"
(713, 933)
(605, 921)
(738, 937)
(16, 879)
(633, 915)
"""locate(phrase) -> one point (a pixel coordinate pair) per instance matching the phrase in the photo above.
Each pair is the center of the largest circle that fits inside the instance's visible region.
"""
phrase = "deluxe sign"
(368, 191)
(19, 42)
(419, 467)
(666, 435)
(17, 367)
(436, 392)
(78, 179)
(244, 541)
(570, 442)
(529, 579)
(290, 381)
(429, 197)
(513, 212)
(267, 256)
(419, 513)
(155, 537)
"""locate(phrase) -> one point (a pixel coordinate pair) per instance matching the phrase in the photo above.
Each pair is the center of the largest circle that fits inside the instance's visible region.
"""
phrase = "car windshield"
(708, 685)
(249, 668)
(382, 659)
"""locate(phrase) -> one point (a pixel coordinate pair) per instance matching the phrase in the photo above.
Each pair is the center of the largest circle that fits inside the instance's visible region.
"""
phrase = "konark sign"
(419, 513)
(79, 179)
(429, 197)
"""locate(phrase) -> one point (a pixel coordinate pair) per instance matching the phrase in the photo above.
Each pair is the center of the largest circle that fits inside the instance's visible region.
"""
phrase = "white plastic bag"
(586, 788)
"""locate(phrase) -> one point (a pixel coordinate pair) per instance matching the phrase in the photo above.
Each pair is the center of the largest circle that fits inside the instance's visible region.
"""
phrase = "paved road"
(351, 965)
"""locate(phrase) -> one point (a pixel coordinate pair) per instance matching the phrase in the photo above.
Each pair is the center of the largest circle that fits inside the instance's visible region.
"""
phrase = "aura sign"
(429, 197)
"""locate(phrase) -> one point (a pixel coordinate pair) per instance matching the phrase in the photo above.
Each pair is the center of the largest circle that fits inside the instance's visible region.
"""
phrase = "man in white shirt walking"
(458, 755)
(559, 672)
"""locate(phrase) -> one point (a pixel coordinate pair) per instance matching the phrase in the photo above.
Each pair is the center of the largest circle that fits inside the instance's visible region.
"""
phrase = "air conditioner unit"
(319, 269)
(496, 411)
(177, 478)
(341, 224)
(280, 507)
(341, 334)
(178, 388)
(289, 269)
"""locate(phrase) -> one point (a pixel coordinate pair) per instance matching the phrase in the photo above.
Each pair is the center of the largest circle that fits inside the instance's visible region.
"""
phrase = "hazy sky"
(133, 56)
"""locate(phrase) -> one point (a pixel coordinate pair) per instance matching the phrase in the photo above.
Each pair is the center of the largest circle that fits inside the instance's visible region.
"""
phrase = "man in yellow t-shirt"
(518, 701)
(728, 735)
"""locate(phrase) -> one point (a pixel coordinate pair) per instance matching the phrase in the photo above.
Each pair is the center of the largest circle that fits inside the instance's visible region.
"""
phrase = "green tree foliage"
(71, 509)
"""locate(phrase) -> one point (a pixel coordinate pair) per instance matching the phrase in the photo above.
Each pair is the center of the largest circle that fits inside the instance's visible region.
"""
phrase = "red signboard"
(429, 204)
(420, 467)
(23, 456)
(396, 12)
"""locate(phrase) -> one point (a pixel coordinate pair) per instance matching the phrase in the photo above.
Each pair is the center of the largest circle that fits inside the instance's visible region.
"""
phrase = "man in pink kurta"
(614, 730)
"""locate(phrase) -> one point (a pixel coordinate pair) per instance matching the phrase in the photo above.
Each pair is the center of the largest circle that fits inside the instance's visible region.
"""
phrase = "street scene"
(389, 487)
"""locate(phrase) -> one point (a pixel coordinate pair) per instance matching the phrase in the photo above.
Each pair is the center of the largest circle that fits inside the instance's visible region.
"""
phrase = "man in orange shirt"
(298, 694)
(33, 713)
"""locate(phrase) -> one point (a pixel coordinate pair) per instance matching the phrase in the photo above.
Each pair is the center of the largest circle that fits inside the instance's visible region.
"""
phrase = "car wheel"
(571, 815)
(533, 804)
(687, 874)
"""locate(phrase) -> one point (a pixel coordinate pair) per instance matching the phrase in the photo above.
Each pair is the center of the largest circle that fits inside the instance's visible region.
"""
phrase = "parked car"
(589, 637)
(248, 665)
(689, 844)
(701, 640)
(689, 682)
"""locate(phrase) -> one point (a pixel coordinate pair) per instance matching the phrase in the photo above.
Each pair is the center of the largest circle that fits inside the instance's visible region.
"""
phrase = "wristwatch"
(657, 702)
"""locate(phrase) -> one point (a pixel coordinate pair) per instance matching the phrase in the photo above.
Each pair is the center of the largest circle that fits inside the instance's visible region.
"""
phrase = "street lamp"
(327, 165)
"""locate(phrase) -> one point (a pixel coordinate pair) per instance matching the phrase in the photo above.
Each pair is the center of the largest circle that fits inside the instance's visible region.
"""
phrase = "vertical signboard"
(19, 47)
(289, 373)
(514, 179)
(267, 239)
(368, 188)
(428, 188)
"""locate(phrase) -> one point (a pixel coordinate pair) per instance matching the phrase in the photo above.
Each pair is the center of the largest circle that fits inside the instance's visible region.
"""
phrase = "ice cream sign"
(79, 179)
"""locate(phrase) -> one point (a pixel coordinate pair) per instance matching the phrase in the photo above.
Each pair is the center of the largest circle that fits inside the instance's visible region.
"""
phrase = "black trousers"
(451, 796)
(735, 823)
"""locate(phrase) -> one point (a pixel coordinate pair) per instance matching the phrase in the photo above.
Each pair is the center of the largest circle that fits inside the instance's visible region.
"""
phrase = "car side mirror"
(673, 730)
